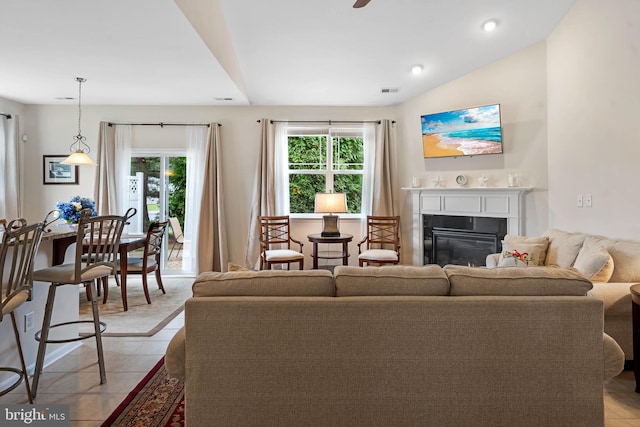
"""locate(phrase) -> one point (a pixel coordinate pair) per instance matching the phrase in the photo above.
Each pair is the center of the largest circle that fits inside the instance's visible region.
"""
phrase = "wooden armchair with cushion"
(382, 241)
(275, 243)
(148, 263)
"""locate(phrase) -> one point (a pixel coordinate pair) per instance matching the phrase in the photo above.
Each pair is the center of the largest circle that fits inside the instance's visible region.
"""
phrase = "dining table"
(64, 235)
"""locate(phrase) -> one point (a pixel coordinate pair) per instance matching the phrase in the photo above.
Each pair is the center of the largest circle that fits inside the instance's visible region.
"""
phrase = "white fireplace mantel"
(490, 202)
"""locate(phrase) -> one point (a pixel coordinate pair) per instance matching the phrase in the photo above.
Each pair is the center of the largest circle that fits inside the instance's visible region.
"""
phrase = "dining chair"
(18, 249)
(275, 242)
(148, 263)
(96, 254)
(382, 241)
(178, 237)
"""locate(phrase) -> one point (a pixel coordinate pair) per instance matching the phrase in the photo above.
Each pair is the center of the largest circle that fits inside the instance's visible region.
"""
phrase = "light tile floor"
(74, 380)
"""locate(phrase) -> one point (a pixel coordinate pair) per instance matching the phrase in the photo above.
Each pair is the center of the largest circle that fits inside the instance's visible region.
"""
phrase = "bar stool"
(18, 249)
(96, 254)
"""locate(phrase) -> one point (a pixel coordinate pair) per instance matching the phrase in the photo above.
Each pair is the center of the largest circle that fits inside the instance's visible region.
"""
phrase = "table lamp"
(330, 203)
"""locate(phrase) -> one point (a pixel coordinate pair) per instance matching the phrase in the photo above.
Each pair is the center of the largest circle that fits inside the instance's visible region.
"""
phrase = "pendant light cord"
(79, 140)
(80, 80)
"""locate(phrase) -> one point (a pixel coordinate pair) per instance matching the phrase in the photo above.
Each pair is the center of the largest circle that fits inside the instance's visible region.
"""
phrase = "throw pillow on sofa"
(595, 263)
(520, 254)
(542, 240)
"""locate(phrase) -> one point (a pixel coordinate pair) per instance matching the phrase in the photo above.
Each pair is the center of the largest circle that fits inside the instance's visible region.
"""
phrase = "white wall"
(51, 130)
(594, 130)
(518, 84)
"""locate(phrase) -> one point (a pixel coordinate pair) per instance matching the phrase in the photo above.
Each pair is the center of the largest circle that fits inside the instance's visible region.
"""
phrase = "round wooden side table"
(344, 239)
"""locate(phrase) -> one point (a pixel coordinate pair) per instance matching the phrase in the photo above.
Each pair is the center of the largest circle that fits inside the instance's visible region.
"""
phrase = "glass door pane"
(161, 187)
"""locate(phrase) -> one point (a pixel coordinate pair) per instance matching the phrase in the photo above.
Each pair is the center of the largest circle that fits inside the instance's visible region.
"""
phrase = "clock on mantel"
(461, 180)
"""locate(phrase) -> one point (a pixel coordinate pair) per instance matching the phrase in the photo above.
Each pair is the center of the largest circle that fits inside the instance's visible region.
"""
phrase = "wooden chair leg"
(87, 291)
(145, 288)
(105, 289)
(159, 280)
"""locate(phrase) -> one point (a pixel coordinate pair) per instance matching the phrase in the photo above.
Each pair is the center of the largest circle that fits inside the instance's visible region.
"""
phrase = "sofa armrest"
(492, 260)
(613, 357)
(174, 358)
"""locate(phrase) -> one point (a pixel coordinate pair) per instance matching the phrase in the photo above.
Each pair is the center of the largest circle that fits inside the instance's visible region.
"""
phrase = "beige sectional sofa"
(394, 346)
(613, 265)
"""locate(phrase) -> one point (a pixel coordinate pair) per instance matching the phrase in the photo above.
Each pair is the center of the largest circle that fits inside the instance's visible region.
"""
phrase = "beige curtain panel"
(264, 198)
(385, 174)
(212, 239)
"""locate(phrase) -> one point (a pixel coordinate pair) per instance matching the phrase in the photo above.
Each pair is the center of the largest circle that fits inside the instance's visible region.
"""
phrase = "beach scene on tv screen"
(468, 132)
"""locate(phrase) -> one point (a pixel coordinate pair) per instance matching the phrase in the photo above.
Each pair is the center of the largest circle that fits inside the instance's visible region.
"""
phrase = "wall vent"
(389, 90)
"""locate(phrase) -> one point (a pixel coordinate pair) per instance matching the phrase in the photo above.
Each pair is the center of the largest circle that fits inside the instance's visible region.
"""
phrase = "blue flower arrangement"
(70, 211)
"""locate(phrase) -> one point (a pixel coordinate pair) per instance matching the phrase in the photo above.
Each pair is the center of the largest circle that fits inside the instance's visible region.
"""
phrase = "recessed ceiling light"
(490, 25)
(417, 69)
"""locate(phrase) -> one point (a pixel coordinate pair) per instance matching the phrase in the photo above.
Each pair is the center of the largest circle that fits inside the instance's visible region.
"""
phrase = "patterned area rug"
(157, 401)
(141, 319)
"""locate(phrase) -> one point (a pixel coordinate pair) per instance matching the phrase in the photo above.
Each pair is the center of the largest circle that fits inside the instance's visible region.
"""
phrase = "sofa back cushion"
(625, 255)
(563, 247)
(265, 283)
(429, 280)
(516, 281)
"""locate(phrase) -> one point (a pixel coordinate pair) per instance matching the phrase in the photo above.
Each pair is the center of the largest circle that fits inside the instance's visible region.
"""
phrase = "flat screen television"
(468, 132)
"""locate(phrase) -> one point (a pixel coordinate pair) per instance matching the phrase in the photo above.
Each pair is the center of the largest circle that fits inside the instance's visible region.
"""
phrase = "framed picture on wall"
(54, 172)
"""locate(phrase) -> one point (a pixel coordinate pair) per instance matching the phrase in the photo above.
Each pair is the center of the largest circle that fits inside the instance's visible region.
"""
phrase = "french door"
(159, 183)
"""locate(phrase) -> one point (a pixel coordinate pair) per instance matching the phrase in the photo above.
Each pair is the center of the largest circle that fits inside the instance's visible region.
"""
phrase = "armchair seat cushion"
(379, 255)
(282, 254)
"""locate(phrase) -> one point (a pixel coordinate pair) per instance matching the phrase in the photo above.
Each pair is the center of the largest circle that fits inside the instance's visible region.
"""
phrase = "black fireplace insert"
(462, 240)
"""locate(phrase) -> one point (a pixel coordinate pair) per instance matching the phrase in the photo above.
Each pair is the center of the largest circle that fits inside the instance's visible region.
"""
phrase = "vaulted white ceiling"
(256, 52)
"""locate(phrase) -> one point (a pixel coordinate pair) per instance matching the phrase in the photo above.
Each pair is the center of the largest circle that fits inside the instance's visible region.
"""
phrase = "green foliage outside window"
(177, 186)
(310, 173)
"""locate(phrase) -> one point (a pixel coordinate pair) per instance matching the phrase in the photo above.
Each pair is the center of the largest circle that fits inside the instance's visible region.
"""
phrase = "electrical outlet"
(28, 321)
(587, 200)
(579, 201)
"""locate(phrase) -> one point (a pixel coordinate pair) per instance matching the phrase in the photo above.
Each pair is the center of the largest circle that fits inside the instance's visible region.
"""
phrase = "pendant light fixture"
(79, 148)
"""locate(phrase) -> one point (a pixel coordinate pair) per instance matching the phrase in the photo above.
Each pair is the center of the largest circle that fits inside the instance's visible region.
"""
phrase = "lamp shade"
(331, 203)
(79, 158)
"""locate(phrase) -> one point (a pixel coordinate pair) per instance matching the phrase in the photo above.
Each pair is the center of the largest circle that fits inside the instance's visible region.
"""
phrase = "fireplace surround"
(486, 202)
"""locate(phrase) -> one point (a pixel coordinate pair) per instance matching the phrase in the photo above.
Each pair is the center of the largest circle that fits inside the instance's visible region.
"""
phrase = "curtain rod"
(330, 122)
(8, 116)
(162, 124)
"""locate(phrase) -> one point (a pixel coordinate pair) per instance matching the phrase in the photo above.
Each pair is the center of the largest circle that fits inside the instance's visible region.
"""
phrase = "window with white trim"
(322, 160)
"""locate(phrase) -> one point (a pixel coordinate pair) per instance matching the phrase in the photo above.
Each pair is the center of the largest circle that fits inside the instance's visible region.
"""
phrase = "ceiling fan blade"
(361, 3)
